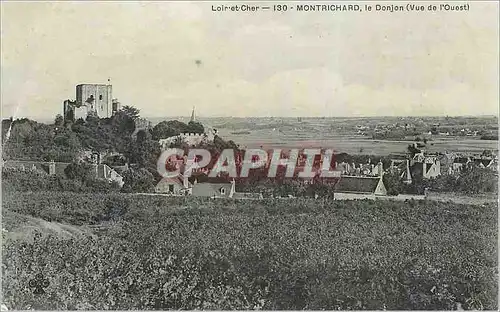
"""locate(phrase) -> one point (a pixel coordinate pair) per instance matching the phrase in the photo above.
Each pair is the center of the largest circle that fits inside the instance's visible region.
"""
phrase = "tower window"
(100, 97)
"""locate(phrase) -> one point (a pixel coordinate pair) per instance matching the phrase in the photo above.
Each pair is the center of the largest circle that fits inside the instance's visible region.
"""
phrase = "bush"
(470, 181)
(138, 181)
(78, 171)
(393, 183)
(14, 180)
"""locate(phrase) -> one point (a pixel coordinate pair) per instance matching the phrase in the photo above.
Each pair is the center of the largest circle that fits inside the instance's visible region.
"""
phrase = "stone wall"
(102, 102)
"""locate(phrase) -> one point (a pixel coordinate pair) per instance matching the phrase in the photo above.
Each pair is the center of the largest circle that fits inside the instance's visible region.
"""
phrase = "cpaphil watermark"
(239, 164)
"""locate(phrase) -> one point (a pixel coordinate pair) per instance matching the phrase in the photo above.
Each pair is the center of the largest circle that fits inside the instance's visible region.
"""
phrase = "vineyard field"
(145, 252)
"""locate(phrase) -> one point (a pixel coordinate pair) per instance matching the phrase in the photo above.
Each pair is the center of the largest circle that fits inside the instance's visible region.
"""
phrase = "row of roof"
(345, 184)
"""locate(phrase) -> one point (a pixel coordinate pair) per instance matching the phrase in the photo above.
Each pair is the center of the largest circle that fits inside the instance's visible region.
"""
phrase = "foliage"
(192, 253)
(163, 130)
(394, 134)
(471, 180)
(138, 181)
(78, 171)
(34, 181)
(362, 159)
(131, 112)
(475, 180)
(412, 150)
(37, 141)
(167, 129)
(489, 137)
(393, 183)
(195, 127)
(59, 120)
(63, 141)
(146, 151)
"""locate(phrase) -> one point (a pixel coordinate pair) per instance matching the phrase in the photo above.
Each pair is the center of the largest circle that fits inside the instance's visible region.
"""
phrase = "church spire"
(192, 116)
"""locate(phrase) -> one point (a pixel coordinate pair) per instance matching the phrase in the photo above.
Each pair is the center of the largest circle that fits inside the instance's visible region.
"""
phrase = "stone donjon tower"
(97, 97)
(91, 98)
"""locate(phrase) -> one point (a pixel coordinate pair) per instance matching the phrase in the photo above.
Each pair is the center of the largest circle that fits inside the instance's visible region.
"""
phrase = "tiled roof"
(485, 162)
(353, 184)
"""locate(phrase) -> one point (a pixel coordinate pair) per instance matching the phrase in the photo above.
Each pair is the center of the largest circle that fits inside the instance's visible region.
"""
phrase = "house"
(420, 165)
(178, 185)
(486, 162)
(425, 166)
(446, 161)
(215, 190)
(107, 173)
(368, 169)
(458, 164)
(357, 187)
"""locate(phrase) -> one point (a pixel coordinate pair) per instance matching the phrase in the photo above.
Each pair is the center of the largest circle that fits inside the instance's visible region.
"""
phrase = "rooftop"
(357, 184)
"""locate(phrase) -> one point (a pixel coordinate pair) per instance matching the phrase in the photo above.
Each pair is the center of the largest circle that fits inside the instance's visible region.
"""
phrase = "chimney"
(233, 189)
(185, 181)
(408, 172)
(52, 168)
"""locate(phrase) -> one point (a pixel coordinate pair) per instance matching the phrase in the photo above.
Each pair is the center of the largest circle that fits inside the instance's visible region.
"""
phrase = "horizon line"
(284, 117)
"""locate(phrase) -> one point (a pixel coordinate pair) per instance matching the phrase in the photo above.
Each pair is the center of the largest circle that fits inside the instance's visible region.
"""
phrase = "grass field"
(339, 133)
(115, 251)
(351, 144)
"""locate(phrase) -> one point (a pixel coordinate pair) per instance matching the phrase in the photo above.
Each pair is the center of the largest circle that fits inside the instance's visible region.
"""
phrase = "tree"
(122, 123)
(78, 171)
(131, 112)
(487, 153)
(413, 150)
(393, 183)
(138, 181)
(476, 180)
(145, 151)
(178, 126)
(195, 127)
(163, 130)
(59, 120)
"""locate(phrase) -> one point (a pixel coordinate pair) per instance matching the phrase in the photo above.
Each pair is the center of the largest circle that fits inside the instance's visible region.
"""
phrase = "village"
(353, 180)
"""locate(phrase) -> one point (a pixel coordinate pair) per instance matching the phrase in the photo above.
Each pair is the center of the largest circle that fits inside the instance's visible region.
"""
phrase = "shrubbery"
(194, 253)
(138, 181)
(470, 181)
(34, 181)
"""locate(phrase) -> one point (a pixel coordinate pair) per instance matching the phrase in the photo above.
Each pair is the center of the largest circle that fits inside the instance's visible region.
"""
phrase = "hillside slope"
(194, 253)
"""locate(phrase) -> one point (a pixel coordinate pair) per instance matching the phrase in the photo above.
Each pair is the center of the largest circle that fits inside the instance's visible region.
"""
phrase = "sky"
(166, 57)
